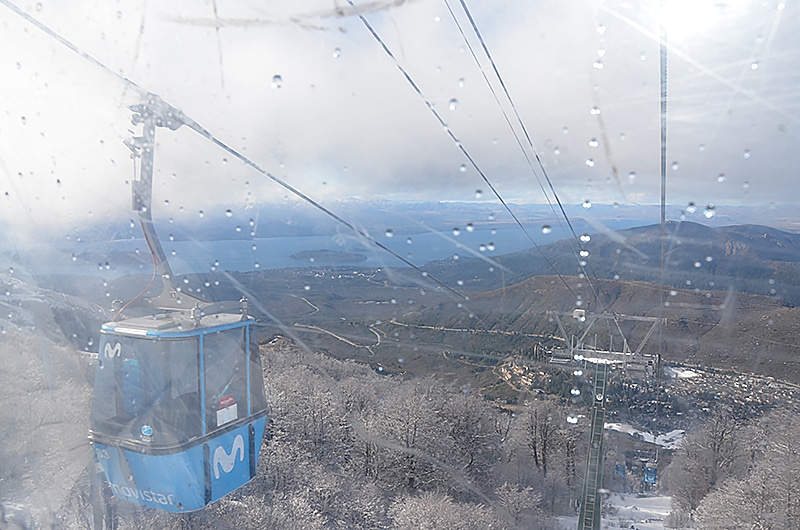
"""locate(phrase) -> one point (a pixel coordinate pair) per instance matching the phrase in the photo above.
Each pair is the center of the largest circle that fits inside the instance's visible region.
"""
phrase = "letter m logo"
(226, 461)
(112, 351)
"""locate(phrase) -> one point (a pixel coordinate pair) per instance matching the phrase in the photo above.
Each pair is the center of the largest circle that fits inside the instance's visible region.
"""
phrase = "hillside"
(746, 258)
(740, 331)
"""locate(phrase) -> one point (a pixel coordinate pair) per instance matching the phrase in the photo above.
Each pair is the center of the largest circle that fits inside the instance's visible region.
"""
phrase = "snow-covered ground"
(641, 513)
(680, 373)
(671, 440)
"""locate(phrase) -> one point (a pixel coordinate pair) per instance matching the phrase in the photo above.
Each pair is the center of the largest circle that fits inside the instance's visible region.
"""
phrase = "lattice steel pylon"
(591, 501)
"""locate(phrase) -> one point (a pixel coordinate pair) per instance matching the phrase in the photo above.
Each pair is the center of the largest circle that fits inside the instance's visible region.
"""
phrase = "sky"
(345, 120)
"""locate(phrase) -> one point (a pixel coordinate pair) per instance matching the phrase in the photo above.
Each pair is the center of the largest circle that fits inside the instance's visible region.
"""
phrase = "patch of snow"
(641, 513)
(671, 440)
(680, 373)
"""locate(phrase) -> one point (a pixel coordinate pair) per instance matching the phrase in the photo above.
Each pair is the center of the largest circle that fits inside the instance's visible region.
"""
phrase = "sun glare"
(685, 18)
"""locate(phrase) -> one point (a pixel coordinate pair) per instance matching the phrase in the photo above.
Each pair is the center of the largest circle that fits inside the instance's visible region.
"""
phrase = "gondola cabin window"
(225, 378)
(151, 388)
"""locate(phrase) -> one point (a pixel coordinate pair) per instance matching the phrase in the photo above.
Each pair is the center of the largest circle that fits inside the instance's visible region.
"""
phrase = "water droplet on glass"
(754, 65)
(590, 162)
(24, 120)
(453, 105)
(691, 207)
(746, 153)
(482, 247)
(254, 247)
(462, 168)
(556, 150)
(585, 238)
(594, 111)
(408, 241)
(710, 211)
(593, 142)
(228, 213)
(697, 264)
(674, 166)
(307, 287)
(277, 82)
(587, 204)
(721, 177)
(478, 194)
(622, 136)
(642, 56)
(746, 185)
(601, 29)
(575, 392)
(565, 130)
(632, 176)
(470, 227)
(709, 259)
(456, 232)
(598, 65)
(546, 229)
(389, 232)
(584, 253)
(39, 6)
(201, 213)
(337, 52)
(490, 247)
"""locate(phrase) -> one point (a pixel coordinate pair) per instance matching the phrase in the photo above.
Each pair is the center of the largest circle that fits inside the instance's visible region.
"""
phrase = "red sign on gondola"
(226, 401)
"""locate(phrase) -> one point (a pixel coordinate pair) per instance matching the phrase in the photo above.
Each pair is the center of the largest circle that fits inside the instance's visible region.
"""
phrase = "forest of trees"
(731, 475)
(348, 448)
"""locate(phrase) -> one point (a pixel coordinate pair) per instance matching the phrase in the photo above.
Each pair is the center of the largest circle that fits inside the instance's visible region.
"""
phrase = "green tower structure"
(591, 500)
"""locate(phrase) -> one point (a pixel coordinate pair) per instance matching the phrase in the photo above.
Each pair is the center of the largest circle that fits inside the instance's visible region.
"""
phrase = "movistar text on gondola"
(142, 495)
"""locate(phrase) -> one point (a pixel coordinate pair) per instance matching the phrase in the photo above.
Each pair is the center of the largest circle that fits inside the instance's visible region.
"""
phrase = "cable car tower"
(634, 364)
(179, 410)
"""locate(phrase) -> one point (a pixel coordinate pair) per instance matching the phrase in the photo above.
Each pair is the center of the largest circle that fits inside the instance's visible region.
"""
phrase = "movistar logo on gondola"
(224, 460)
(135, 494)
(112, 351)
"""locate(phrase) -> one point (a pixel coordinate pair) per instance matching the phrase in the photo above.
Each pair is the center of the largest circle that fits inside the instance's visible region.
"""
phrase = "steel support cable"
(663, 65)
(517, 115)
(527, 137)
(519, 143)
(450, 133)
(209, 136)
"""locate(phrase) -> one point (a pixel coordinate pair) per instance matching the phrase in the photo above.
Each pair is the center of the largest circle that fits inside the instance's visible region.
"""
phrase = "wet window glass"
(388, 264)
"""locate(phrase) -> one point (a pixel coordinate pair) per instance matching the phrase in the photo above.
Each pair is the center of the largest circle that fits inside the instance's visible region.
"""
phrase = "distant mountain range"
(301, 219)
(745, 258)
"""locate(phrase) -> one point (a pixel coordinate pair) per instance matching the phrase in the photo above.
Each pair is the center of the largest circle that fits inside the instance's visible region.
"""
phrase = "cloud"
(345, 122)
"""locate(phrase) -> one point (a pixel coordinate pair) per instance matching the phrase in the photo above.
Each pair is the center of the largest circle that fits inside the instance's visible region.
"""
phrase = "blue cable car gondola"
(179, 410)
